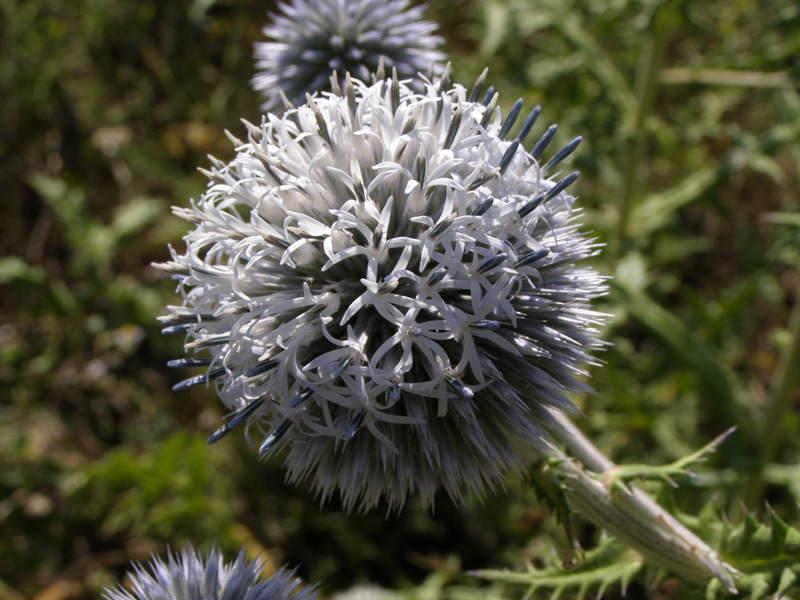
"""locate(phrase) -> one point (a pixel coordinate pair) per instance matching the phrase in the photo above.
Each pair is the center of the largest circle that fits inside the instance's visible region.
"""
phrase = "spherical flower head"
(389, 291)
(311, 39)
(187, 576)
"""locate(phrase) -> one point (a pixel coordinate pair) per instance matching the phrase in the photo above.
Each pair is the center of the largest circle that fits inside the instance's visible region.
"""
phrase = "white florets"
(388, 289)
(309, 39)
(189, 577)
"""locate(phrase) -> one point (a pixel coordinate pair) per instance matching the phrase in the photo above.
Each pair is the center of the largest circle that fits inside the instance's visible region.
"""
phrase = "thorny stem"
(632, 516)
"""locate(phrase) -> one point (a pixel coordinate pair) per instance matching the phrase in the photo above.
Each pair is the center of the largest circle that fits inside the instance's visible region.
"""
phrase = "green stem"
(631, 515)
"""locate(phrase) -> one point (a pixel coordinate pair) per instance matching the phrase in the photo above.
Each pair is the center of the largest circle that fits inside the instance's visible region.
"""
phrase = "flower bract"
(309, 39)
(189, 576)
(390, 290)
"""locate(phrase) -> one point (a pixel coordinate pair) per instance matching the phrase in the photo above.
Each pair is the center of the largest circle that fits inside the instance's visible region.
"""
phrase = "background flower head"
(310, 39)
(189, 576)
(388, 288)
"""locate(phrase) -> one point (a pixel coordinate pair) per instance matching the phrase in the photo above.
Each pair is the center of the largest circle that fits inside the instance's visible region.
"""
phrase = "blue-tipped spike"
(490, 263)
(531, 205)
(510, 119)
(394, 91)
(198, 379)
(360, 192)
(488, 95)
(260, 368)
(563, 153)
(415, 332)
(437, 276)
(377, 236)
(539, 147)
(532, 257)
(394, 394)
(508, 156)
(488, 114)
(420, 166)
(458, 387)
(479, 83)
(489, 175)
(275, 436)
(175, 329)
(455, 123)
(183, 319)
(188, 362)
(442, 225)
(483, 207)
(235, 421)
(561, 185)
(354, 425)
(304, 395)
(191, 382)
(389, 284)
(444, 80)
(528, 124)
(486, 324)
(341, 366)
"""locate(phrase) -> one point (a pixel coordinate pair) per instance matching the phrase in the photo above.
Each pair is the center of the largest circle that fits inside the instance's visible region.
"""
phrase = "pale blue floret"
(412, 305)
(311, 39)
(190, 576)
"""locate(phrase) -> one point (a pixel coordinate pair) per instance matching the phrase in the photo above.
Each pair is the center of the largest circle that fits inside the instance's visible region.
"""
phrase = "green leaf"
(656, 210)
(791, 219)
(497, 27)
(722, 388)
(611, 563)
(596, 59)
(67, 202)
(102, 241)
(94, 242)
(14, 270)
(175, 486)
(767, 554)
(624, 474)
(131, 217)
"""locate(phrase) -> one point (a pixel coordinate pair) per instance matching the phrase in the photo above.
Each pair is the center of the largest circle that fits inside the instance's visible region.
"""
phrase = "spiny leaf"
(549, 487)
(766, 553)
(624, 474)
(611, 563)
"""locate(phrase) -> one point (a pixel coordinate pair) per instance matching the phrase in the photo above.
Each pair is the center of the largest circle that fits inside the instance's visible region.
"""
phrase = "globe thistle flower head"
(187, 576)
(390, 291)
(311, 39)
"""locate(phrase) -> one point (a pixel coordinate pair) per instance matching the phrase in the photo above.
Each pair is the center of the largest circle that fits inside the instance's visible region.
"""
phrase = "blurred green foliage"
(690, 114)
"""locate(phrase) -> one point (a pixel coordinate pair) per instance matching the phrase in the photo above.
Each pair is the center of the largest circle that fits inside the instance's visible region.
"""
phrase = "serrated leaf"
(624, 474)
(549, 488)
(766, 554)
(610, 564)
